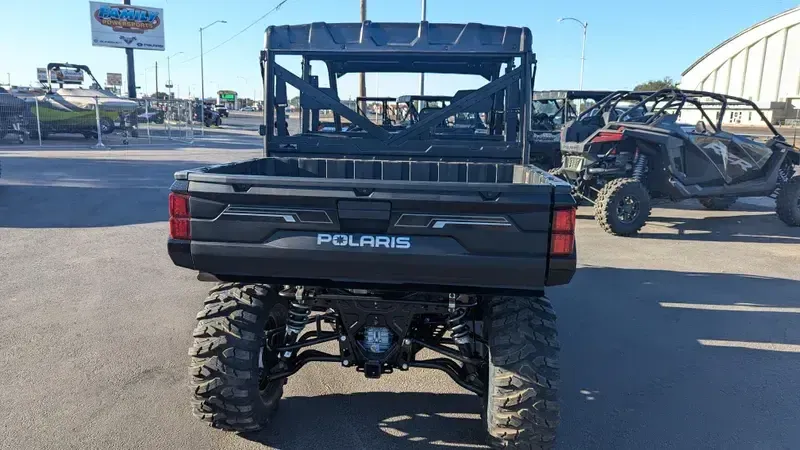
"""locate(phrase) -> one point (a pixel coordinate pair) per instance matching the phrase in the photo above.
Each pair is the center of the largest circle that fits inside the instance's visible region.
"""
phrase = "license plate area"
(574, 163)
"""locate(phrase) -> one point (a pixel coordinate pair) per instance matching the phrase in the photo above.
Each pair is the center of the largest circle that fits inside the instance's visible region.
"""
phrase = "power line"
(277, 7)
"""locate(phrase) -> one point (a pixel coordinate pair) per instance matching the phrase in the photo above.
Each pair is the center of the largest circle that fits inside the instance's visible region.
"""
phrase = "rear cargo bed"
(441, 225)
(366, 169)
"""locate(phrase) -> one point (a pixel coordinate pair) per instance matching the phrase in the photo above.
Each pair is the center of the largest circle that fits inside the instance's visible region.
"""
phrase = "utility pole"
(169, 74)
(422, 75)
(131, 70)
(362, 78)
(202, 83)
(202, 80)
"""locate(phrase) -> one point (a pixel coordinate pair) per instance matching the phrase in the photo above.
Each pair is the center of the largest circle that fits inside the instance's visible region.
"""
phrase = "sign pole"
(131, 70)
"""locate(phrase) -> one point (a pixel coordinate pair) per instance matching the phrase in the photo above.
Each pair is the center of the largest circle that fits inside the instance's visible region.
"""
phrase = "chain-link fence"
(15, 119)
(85, 119)
(159, 121)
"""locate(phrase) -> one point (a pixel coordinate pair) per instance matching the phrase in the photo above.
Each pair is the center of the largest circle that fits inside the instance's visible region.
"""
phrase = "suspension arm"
(451, 369)
(450, 353)
(304, 342)
(301, 360)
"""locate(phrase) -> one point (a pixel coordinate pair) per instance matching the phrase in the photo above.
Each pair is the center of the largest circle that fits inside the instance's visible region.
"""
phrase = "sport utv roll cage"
(657, 104)
(471, 49)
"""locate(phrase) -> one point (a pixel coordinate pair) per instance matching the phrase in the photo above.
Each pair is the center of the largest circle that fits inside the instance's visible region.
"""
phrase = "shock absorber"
(462, 336)
(458, 329)
(297, 319)
(640, 166)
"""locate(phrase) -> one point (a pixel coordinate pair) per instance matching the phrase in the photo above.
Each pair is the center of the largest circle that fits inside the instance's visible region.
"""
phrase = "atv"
(630, 148)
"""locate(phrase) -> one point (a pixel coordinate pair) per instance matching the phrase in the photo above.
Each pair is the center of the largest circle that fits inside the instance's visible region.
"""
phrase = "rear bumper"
(449, 273)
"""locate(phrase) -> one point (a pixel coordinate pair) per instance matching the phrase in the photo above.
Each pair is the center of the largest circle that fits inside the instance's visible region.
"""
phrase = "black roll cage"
(384, 101)
(406, 48)
(566, 97)
(412, 113)
(665, 101)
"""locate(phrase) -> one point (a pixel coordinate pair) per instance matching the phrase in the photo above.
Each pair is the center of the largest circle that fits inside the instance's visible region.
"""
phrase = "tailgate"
(436, 235)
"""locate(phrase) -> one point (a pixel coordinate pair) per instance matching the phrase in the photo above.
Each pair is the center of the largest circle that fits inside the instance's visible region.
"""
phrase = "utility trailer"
(385, 242)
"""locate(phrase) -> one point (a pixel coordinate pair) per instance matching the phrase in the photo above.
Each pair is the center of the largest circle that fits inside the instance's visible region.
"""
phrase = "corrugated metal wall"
(762, 63)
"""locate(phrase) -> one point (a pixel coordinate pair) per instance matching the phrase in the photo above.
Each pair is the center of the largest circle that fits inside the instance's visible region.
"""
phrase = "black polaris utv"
(382, 243)
(630, 147)
(551, 111)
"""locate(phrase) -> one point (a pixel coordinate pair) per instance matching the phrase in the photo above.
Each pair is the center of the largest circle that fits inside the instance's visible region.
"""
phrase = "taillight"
(179, 222)
(607, 136)
(562, 239)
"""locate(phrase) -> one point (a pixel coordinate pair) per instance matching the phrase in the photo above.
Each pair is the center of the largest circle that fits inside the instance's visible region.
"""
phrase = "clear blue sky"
(629, 41)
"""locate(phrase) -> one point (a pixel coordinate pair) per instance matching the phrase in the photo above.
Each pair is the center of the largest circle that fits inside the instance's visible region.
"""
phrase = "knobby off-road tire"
(717, 203)
(787, 204)
(522, 410)
(608, 201)
(224, 372)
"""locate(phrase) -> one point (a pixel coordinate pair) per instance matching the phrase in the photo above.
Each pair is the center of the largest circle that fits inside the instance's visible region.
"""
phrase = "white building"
(762, 63)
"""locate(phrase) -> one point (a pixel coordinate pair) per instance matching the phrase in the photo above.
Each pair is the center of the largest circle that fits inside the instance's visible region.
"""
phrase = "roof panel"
(424, 37)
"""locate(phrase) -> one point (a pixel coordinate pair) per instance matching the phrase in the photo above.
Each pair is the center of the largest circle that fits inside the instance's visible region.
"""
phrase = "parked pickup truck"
(385, 242)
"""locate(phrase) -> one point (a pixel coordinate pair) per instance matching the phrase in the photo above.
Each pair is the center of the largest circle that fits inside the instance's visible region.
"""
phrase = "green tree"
(295, 101)
(655, 85)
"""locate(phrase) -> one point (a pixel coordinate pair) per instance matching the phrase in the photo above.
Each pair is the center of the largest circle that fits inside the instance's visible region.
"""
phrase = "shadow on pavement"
(758, 228)
(752, 227)
(76, 193)
(379, 420)
(662, 359)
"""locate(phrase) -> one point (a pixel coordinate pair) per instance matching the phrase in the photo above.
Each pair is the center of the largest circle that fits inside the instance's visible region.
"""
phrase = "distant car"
(210, 115)
(222, 110)
(248, 109)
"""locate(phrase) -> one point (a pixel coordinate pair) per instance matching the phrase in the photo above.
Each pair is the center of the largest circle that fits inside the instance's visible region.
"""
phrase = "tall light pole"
(169, 74)
(422, 75)
(147, 69)
(583, 47)
(202, 84)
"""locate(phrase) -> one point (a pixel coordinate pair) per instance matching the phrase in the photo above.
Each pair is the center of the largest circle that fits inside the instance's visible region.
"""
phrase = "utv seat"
(670, 122)
(579, 131)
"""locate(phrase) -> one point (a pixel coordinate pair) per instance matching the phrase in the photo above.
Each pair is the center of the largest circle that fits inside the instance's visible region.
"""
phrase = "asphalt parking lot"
(686, 337)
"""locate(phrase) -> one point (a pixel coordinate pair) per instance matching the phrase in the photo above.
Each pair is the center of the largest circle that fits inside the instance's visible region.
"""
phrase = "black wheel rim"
(628, 209)
(274, 337)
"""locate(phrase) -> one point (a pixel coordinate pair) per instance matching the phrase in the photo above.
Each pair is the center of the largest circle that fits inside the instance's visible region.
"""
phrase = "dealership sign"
(60, 76)
(127, 26)
(113, 79)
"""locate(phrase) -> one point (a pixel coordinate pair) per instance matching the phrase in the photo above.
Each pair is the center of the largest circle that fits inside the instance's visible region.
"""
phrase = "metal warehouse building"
(762, 63)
